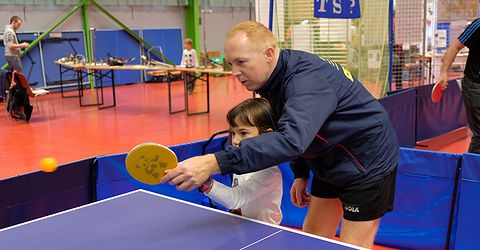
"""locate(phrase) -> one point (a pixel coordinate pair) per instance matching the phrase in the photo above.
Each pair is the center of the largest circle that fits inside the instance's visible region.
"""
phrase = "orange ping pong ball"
(48, 164)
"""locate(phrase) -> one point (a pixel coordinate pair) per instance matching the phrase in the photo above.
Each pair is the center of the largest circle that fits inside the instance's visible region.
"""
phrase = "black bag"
(18, 103)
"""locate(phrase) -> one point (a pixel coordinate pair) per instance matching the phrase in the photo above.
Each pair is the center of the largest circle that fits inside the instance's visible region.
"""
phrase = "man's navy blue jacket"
(328, 122)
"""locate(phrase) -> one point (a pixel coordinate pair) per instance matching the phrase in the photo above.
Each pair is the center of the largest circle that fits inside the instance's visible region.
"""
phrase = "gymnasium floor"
(456, 141)
(61, 129)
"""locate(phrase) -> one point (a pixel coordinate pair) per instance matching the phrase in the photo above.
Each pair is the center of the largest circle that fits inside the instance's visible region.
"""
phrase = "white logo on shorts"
(352, 209)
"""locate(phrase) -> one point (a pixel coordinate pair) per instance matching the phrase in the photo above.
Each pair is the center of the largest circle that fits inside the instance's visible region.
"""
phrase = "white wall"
(218, 23)
(40, 18)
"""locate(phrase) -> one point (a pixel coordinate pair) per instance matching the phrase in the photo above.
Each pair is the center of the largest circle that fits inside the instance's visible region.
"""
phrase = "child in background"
(255, 195)
(189, 60)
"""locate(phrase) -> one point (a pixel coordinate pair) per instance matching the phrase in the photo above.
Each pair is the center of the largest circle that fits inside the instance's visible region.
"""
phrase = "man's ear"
(269, 54)
(269, 130)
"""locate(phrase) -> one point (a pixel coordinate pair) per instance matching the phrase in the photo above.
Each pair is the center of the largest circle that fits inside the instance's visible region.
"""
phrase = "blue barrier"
(424, 192)
(422, 207)
(401, 109)
(113, 179)
(468, 217)
(33, 195)
(423, 196)
(415, 117)
(436, 119)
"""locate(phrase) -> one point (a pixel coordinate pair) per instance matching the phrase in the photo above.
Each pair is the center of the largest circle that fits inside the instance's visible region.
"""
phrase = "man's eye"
(243, 133)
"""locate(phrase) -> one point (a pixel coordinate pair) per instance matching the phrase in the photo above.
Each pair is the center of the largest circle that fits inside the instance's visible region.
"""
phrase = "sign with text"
(336, 9)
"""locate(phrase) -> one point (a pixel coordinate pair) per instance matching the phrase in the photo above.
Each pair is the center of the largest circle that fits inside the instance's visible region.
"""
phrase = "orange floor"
(61, 129)
(456, 141)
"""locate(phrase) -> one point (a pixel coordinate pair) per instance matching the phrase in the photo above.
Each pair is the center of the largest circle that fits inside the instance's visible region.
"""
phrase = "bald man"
(329, 125)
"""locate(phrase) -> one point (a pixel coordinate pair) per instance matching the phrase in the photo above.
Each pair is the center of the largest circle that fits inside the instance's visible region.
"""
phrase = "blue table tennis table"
(146, 220)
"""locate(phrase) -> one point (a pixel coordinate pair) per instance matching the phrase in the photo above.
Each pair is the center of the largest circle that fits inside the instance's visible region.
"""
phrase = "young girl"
(255, 195)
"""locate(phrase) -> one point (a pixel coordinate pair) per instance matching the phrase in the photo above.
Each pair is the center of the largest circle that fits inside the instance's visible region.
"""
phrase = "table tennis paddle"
(437, 93)
(147, 162)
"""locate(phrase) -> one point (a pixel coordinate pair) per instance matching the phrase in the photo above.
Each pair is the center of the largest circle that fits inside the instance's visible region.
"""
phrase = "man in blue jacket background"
(329, 125)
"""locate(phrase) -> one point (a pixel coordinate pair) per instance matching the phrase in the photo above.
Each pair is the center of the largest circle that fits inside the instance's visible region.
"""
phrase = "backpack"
(18, 101)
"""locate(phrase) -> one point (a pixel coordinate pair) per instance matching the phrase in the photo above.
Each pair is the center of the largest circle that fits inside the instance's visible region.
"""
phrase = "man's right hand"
(443, 80)
(192, 172)
(298, 193)
(25, 45)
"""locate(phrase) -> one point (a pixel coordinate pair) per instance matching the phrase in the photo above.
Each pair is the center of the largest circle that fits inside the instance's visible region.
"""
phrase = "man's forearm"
(450, 55)
(211, 160)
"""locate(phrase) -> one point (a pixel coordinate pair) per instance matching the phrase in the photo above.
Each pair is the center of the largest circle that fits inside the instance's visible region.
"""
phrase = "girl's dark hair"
(253, 112)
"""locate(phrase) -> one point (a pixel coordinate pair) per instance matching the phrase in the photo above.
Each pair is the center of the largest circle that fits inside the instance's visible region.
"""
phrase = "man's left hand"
(192, 172)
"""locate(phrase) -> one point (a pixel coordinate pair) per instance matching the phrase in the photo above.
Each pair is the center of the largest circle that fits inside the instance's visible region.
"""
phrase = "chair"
(40, 92)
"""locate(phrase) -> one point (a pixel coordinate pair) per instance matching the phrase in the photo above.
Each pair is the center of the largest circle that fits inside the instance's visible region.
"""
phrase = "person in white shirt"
(256, 195)
(189, 60)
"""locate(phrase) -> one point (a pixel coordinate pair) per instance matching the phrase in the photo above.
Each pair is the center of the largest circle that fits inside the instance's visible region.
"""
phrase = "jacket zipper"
(349, 153)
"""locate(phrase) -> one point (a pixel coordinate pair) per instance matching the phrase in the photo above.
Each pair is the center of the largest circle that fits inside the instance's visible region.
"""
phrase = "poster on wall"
(336, 9)
(441, 38)
(449, 10)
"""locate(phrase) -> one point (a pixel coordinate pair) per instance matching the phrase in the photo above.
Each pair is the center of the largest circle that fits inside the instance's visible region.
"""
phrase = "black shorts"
(365, 203)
